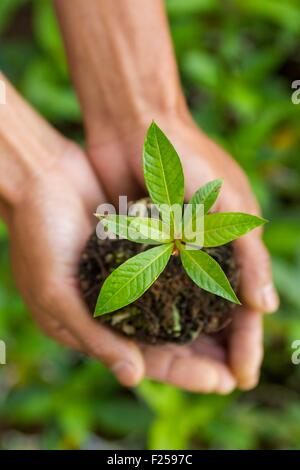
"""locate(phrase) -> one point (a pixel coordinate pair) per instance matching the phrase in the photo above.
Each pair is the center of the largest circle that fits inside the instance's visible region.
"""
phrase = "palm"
(48, 231)
(54, 218)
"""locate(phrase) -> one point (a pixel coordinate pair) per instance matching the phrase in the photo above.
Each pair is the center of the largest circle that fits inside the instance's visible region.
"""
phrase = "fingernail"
(211, 380)
(227, 384)
(126, 373)
(249, 383)
(270, 298)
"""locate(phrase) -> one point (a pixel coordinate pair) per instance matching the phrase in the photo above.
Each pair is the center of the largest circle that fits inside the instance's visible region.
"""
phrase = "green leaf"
(207, 194)
(137, 229)
(223, 227)
(198, 206)
(130, 280)
(207, 274)
(162, 171)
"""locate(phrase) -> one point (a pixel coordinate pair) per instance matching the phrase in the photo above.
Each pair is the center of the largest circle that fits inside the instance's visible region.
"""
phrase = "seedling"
(165, 183)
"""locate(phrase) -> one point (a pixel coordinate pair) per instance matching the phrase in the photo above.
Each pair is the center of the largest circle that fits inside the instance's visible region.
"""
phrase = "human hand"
(139, 83)
(49, 193)
(48, 229)
(203, 161)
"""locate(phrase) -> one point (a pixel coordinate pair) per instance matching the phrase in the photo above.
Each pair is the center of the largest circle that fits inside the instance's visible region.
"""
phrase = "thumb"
(246, 347)
(122, 356)
(256, 288)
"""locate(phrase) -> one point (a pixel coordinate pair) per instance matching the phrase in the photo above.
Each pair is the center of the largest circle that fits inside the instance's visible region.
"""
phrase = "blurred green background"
(237, 61)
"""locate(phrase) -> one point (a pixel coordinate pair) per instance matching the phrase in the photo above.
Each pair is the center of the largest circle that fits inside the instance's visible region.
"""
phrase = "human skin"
(125, 74)
(48, 193)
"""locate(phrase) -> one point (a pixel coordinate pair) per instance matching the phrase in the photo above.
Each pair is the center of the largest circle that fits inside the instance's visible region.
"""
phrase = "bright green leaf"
(137, 229)
(162, 171)
(130, 280)
(207, 194)
(199, 205)
(207, 273)
(223, 227)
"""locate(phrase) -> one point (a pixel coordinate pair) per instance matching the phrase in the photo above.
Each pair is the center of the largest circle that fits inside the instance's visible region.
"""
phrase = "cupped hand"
(208, 364)
(48, 230)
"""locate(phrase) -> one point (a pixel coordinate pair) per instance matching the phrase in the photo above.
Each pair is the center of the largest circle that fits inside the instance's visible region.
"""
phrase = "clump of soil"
(173, 310)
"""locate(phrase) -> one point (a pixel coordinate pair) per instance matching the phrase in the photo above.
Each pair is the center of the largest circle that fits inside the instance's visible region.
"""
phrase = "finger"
(256, 285)
(121, 182)
(122, 356)
(246, 347)
(54, 329)
(188, 371)
(207, 346)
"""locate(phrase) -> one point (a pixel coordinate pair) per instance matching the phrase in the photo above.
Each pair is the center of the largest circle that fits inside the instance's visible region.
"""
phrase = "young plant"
(165, 183)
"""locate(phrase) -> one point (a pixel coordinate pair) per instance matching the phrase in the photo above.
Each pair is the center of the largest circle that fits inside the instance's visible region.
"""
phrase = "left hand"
(48, 229)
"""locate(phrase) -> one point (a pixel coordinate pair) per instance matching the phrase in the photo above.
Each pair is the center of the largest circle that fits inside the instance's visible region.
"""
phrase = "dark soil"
(173, 310)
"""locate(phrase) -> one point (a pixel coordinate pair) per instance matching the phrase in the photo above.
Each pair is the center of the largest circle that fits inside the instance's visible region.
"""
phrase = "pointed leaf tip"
(207, 274)
(207, 194)
(224, 227)
(163, 171)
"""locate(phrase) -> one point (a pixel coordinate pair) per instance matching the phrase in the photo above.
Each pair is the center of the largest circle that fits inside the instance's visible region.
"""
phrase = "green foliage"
(7, 10)
(207, 194)
(223, 227)
(207, 274)
(237, 60)
(162, 171)
(137, 229)
(164, 179)
(130, 280)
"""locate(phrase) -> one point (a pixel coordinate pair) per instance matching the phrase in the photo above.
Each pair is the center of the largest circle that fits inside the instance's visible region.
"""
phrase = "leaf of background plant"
(130, 280)
(54, 99)
(7, 10)
(202, 68)
(179, 7)
(162, 170)
(207, 274)
(223, 227)
(137, 229)
(3, 231)
(46, 30)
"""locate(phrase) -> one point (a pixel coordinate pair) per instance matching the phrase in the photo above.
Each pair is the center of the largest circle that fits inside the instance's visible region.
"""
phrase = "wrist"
(28, 147)
(124, 125)
(21, 162)
(122, 63)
